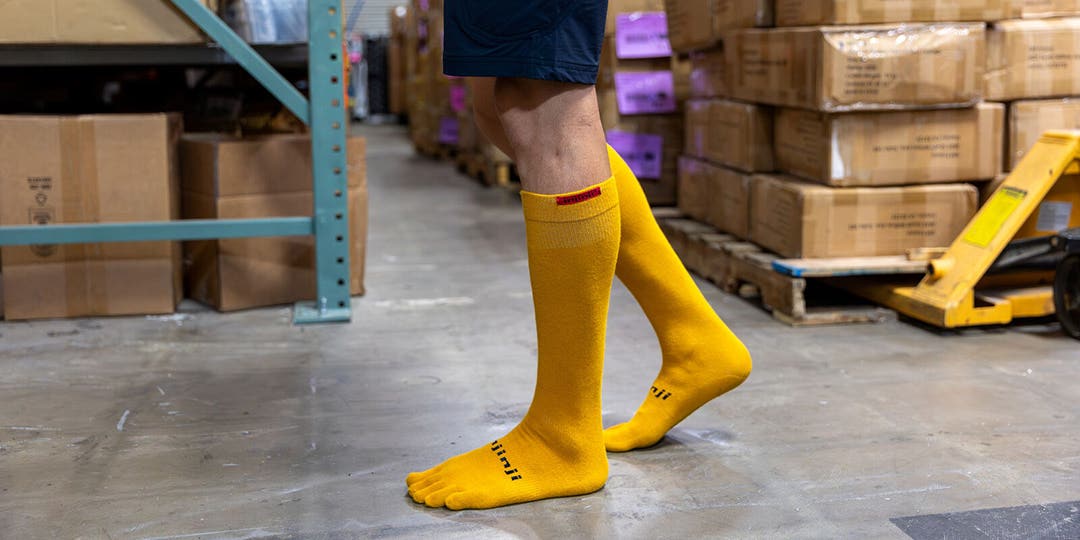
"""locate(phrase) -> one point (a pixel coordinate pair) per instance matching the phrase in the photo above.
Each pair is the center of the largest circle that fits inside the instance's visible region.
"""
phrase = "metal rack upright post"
(323, 112)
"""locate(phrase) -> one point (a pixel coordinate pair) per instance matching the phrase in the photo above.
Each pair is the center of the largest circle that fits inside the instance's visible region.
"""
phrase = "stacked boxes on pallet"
(432, 123)
(641, 89)
(396, 61)
(877, 122)
(727, 141)
(1034, 64)
(476, 153)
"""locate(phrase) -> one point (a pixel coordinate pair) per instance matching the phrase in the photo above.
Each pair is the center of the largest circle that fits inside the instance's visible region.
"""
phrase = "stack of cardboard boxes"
(396, 59)
(434, 100)
(1034, 64)
(122, 168)
(97, 22)
(474, 148)
(871, 110)
(642, 87)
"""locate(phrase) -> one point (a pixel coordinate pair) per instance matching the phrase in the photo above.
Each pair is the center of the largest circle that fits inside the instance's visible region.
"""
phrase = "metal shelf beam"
(191, 229)
(194, 55)
(246, 56)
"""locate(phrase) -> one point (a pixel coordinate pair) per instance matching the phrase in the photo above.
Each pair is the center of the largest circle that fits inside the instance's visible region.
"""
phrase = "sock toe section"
(420, 495)
(438, 499)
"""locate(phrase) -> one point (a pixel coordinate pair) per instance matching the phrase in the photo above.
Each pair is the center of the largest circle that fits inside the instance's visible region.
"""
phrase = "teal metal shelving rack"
(323, 112)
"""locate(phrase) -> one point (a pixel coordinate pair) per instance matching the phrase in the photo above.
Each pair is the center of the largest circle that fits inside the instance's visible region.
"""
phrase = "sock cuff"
(574, 206)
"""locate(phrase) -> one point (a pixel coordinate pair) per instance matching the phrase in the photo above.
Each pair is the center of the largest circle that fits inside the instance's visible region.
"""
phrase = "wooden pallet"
(437, 151)
(743, 268)
(488, 171)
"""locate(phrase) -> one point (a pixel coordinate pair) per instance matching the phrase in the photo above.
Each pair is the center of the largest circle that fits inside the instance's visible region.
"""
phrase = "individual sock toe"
(421, 495)
(415, 477)
(623, 438)
(462, 500)
(424, 483)
(438, 499)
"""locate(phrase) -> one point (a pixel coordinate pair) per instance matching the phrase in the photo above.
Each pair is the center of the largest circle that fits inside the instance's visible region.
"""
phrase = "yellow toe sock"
(558, 448)
(702, 358)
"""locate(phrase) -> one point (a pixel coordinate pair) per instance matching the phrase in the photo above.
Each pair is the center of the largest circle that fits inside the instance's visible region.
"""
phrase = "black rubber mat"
(1036, 522)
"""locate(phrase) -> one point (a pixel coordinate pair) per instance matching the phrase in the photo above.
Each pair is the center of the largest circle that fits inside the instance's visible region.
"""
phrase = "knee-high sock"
(702, 358)
(558, 449)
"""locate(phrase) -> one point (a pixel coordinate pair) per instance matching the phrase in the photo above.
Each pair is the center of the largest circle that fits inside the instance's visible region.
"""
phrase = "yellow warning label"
(993, 216)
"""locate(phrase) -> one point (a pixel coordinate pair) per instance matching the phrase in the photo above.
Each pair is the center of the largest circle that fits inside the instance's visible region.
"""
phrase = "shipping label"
(457, 97)
(1054, 216)
(643, 152)
(646, 92)
(449, 130)
(642, 35)
(41, 211)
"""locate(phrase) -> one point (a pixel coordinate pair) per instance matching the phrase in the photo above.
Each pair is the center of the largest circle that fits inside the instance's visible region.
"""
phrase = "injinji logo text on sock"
(660, 393)
(508, 469)
(565, 200)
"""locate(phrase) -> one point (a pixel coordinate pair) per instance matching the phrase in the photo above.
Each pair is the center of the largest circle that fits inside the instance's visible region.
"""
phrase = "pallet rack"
(323, 112)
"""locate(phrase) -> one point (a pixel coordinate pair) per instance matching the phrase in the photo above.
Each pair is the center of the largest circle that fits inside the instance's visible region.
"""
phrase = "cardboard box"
(801, 220)
(1032, 59)
(96, 22)
(728, 205)
(735, 134)
(699, 24)
(859, 68)
(269, 176)
(1028, 120)
(821, 12)
(615, 7)
(693, 188)
(651, 146)
(1035, 9)
(708, 74)
(696, 127)
(87, 169)
(715, 195)
(891, 148)
(396, 59)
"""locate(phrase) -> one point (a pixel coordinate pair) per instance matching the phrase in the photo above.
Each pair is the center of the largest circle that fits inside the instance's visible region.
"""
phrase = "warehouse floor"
(202, 425)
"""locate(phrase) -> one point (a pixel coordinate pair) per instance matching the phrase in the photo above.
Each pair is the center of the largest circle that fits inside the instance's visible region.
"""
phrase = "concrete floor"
(242, 426)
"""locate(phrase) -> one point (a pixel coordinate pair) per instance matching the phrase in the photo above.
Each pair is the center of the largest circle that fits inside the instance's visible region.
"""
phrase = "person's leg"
(486, 114)
(702, 359)
(571, 207)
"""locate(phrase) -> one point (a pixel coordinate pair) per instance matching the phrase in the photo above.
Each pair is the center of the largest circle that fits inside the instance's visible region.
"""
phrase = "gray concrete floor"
(243, 426)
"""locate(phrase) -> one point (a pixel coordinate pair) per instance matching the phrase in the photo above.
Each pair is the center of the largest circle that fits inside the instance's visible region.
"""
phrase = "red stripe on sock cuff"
(578, 197)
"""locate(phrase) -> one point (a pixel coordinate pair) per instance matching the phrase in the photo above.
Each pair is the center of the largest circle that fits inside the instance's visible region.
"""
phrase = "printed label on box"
(457, 98)
(645, 92)
(642, 35)
(1054, 216)
(643, 152)
(448, 130)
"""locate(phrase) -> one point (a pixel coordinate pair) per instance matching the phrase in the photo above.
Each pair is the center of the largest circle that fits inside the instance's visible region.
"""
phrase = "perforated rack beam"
(324, 113)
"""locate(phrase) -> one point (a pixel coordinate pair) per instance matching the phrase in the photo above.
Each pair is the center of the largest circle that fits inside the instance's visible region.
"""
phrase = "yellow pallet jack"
(1019, 257)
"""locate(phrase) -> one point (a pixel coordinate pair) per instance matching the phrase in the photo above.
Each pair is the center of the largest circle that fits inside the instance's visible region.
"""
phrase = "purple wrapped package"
(645, 92)
(643, 34)
(448, 130)
(457, 97)
(644, 153)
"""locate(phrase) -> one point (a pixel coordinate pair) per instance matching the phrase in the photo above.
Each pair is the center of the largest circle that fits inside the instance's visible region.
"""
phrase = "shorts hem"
(525, 68)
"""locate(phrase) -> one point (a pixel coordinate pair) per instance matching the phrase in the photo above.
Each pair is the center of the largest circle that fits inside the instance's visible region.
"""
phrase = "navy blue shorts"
(551, 40)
